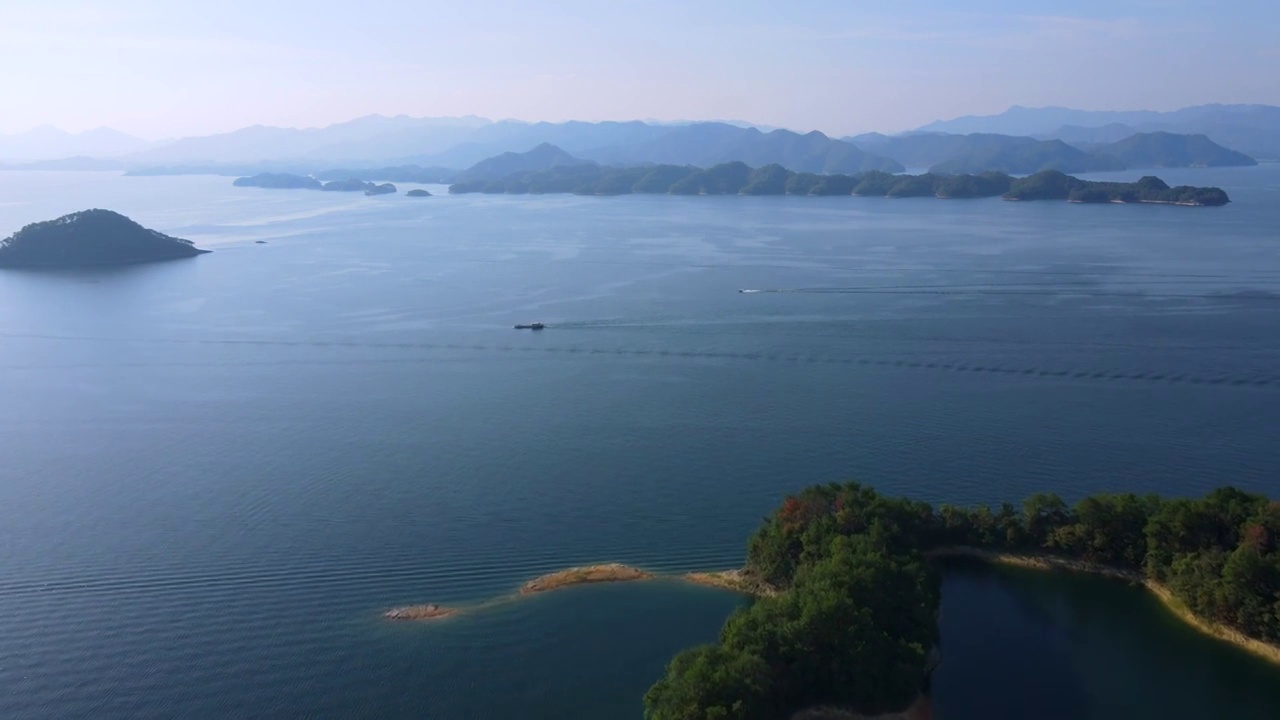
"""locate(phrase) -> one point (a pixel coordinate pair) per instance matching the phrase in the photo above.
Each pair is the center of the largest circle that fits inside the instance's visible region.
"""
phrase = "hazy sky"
(163, 68)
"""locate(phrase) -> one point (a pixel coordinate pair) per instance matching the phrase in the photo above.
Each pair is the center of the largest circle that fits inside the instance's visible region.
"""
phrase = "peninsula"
(855, 616)
(737, 178)
(90, 238)
(847, 591)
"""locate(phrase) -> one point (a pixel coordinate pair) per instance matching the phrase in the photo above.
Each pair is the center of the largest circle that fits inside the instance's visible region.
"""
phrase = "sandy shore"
(420, 612)
(609, 572)
(1264, 650)
(738, 581)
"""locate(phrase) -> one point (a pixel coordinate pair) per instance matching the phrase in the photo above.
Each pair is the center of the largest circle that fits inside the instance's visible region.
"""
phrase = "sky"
(168, 68)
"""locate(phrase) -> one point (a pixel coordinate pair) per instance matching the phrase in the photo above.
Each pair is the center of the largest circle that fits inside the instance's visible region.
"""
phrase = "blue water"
(217, 472)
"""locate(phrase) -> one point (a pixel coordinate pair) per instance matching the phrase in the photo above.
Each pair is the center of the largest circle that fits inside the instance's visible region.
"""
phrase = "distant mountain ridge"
(1250, 129)
(50, 143)
(463, 142)
(369, 138)
(1167, 150)
(377, 141)
(983, 152)
(543, 157)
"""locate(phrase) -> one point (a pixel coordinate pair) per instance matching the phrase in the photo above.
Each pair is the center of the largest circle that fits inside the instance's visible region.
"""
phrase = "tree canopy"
(854, 622)
(737, 178)
(1054, 185)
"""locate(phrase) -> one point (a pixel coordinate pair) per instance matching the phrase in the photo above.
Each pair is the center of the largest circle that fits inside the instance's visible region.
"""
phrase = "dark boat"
(531, 326)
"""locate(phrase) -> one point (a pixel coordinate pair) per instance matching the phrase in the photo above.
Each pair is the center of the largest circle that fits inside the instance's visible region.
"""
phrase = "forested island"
(737, 178)
(1053, 185)
(288, 181)
(89, 238)
(279, 181)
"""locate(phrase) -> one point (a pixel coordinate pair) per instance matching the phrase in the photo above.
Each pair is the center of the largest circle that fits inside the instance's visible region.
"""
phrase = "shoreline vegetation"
(1219, 631)
(743, 582)
(854, 624)
(737, 178)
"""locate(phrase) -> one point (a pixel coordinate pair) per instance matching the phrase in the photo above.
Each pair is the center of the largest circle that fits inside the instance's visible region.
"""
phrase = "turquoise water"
(218, 472)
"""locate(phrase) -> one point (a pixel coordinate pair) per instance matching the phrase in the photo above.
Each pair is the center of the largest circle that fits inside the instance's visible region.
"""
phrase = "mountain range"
(1019, 140)
(1251, 129)
(812, 154)
(982, 152)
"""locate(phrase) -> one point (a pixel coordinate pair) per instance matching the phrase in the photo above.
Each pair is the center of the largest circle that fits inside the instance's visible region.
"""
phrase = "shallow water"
(218, 471)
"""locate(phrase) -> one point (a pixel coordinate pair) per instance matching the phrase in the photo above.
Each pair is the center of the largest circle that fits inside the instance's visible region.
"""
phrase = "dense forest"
(856, 615)
(855, 626)
(737, 178)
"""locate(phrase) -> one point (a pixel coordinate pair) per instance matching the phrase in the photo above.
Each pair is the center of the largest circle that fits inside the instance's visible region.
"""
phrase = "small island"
(287, 181)
(610, 572)
(383, 189)
(90, 238)
(1053, 185)
(737, 178)
(279, 181)
(418, 192)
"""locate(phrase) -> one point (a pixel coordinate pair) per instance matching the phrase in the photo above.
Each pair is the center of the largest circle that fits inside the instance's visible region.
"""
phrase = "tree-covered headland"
(854, 622)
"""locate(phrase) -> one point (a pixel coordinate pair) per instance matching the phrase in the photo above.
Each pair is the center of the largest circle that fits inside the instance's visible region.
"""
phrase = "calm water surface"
(218, 472)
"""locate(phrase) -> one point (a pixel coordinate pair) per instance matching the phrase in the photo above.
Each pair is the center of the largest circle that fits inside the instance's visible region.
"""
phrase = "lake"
(218, 472)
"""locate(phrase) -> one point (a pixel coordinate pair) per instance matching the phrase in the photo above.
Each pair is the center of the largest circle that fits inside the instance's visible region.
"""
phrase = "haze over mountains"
(1020, 140)
(1251, 129)
(50, 143)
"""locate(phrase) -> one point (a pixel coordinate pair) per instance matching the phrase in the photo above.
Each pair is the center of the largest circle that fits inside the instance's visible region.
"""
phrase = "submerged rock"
(420, 612)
